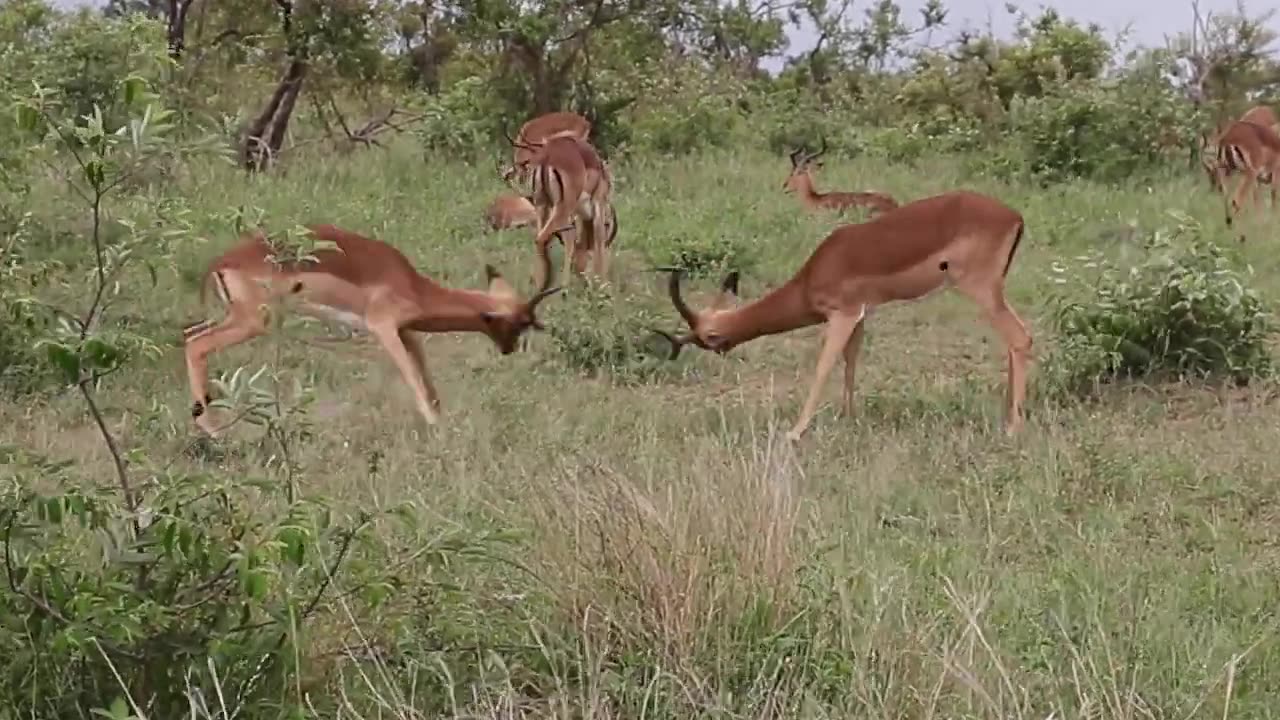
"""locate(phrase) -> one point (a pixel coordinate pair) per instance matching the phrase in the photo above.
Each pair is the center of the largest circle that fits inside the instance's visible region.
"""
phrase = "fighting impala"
(360, 282)
(537, 130)
(571, 184)
(800, 182)
(960, 239)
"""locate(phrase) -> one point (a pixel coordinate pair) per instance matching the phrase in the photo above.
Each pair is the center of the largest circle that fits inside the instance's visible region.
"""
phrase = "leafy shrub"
(1105, 132)
(601, 331)
(703, 254)
(1184, 312)
(461, 119)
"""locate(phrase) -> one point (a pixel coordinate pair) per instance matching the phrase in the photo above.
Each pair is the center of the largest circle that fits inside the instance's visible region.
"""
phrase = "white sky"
(1150, 20)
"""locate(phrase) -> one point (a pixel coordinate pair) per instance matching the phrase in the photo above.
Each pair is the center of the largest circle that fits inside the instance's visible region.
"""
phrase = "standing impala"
(363, 283)
(539, 129)
(571, 183)
(1253, 151)
(800, 182)
(1213, 162)
(960, 238)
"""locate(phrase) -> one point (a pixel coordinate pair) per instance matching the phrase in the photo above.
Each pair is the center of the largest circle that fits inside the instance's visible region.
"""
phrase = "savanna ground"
(645, 544)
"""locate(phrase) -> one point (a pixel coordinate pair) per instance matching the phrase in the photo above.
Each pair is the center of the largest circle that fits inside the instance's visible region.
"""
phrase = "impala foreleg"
(412, 368)
(839, 331)
(851, 351)
(241, 325)
(1236, 199)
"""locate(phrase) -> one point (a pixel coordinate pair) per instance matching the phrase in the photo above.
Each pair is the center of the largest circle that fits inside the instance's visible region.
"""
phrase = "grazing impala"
(1254, 151)
(1212, 161)
(360, 282)
(800, 182)
(539, 129)
(570, 183)
(961, 239)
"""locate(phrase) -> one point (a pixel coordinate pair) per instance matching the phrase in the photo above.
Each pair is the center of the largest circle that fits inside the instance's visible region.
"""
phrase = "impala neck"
(451, 310)
(808, 195)
(785, 308)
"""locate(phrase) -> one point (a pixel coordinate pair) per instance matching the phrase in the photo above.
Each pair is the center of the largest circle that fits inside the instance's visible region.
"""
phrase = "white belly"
(345, 318)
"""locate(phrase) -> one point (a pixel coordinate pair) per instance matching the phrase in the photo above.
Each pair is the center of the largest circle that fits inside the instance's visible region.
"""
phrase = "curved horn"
(795, 155)
(543, 295)
(820, 152)
(515, 143)
(677, 342)
(673, 287)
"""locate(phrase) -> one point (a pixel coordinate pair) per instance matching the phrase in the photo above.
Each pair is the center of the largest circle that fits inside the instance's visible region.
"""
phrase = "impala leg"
(240, 325)
(599, 238)
(558, 218)
(840, 328)
(1018, 341)
(414, 346)
(851, 350)
(1236, 199)
(571, 249)
(412, 372)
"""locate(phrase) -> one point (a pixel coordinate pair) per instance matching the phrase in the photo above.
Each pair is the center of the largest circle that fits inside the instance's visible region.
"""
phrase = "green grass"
(671, 556)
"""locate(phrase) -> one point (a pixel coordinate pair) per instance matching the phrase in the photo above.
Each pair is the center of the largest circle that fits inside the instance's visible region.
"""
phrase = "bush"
(604, 332)
(1184, 312)
(1106, 132)
(703, 254)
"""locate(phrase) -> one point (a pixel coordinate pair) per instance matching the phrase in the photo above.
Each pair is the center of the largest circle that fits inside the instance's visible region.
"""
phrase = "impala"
(362, 283)
(1254, 151)
(800, 182)
(570, 183)
(961, 239)
(1212, 162)
(510, 210)
(539, 129)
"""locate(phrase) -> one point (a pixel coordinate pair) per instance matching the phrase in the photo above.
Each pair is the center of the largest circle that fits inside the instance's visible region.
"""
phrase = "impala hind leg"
(408, 362)
(839, 331)
(851, 351)
(1018, 348)
(556, 221)
(600, 245)
(241, 325)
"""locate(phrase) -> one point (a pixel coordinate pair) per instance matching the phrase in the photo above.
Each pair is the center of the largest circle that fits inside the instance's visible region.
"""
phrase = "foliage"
(1106, 131)
(601, 331)
(1183, 312)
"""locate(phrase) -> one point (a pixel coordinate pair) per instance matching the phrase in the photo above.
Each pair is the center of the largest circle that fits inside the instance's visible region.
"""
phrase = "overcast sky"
(1150, 20)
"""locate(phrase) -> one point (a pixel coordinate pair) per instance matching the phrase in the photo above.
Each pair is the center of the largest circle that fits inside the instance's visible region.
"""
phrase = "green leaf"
(254, 584)
(64, 359)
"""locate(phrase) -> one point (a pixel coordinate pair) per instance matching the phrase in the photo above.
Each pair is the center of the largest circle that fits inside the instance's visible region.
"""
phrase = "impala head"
(512, 316)
(706, 326)
(801, 163)
(525, 153)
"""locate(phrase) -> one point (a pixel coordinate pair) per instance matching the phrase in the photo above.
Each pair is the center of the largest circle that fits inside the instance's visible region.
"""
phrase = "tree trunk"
(264, 136)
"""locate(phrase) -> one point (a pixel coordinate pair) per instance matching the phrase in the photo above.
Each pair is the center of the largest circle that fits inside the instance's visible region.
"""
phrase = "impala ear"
(728, 292)
(498, 285)
(730, 283)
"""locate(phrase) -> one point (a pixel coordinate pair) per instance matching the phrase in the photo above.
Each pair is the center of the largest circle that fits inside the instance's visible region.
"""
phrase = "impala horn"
(673, 288)
(677, 342)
